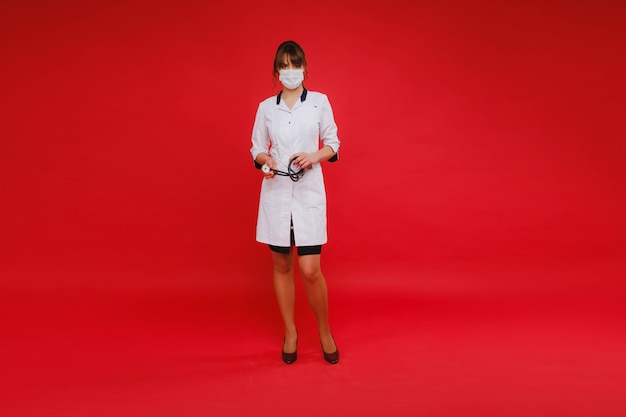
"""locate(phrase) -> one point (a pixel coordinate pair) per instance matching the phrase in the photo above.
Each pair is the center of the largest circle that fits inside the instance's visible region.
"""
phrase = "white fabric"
(282, 132)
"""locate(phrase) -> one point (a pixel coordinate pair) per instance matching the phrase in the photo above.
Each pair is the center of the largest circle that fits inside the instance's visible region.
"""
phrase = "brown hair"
(295, 55)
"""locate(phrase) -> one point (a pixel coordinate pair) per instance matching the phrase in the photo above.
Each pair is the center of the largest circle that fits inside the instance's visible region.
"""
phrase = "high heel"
(289, 358)
(333, 357)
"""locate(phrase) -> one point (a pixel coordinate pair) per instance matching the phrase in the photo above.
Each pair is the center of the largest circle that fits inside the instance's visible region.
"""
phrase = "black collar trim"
(302, 96)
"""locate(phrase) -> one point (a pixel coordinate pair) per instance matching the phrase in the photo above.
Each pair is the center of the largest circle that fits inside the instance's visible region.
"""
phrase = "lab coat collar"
(302, 96)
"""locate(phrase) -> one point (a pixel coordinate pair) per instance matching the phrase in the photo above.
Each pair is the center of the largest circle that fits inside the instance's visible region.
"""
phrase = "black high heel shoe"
(331, 358)
(289, 358)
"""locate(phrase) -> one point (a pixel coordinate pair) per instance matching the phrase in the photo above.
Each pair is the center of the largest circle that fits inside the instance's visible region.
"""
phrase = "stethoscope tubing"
(291, 173)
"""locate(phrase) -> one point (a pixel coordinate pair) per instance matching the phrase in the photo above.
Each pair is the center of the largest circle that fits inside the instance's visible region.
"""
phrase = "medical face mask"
(291, 78)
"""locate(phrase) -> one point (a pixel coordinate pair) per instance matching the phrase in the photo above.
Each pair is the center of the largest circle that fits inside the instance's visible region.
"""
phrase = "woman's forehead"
(293, 60)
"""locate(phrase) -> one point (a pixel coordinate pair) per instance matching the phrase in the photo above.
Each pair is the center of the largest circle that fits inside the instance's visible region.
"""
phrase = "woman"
(292, 211)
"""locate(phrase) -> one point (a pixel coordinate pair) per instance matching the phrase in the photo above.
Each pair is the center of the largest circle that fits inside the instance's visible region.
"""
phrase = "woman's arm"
(328, 136)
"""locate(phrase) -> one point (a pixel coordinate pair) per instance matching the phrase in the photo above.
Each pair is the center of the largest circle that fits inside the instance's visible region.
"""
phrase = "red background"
(476, 218)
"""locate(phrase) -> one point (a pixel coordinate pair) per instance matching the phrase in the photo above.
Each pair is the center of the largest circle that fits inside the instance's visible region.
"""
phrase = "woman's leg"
(285, 294)
(317, 294)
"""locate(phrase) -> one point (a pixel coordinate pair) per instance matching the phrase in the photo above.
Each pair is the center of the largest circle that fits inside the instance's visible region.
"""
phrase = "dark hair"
(295, 55)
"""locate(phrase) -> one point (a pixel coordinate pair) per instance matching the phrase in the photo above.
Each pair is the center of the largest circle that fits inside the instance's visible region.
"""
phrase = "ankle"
(325, 331)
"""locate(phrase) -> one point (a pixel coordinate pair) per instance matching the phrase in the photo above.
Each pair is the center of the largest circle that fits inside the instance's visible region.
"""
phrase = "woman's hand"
(304, 160)
(269, 161)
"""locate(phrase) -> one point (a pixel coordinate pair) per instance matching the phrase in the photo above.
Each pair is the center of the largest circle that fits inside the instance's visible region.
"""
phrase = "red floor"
(462, 340)
(476, 254)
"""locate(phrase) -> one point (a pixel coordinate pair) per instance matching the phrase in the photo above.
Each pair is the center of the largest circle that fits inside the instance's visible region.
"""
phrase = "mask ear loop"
(306, 76)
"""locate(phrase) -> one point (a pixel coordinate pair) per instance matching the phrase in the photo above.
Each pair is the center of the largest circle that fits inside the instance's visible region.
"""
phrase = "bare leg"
(317, 294)
(285, 294)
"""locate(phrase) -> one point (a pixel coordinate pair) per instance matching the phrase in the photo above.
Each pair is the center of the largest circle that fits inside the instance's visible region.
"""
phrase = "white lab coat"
(281, 132)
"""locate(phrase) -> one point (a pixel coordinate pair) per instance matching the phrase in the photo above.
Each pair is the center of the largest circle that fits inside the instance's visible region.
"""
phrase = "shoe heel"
(333, 357)
(289, 358)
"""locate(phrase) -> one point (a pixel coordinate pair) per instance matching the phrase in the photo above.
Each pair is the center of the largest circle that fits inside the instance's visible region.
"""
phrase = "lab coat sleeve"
(260, 134)
(328, 127)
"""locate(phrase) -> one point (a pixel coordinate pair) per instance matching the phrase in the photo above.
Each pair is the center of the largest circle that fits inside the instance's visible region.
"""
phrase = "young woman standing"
(286, 137)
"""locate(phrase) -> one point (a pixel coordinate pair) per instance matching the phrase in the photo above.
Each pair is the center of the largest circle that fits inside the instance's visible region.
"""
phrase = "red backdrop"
(476, 136)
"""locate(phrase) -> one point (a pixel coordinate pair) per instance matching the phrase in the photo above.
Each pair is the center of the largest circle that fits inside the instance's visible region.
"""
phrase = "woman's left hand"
(304, 160)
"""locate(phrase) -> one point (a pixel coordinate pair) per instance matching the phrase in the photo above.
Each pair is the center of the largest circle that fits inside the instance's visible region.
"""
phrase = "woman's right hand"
(269, 161)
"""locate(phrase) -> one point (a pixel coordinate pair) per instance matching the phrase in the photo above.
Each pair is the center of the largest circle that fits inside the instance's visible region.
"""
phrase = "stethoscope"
(291, 173)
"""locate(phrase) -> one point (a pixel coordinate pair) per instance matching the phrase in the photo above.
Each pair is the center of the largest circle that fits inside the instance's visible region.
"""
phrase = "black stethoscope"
(291, 173)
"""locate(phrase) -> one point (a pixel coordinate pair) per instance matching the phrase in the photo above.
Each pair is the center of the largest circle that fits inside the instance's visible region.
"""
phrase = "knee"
(311, 274)
(283, 263)
(283, 267)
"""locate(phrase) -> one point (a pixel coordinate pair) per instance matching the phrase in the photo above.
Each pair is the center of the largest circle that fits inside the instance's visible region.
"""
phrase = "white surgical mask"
(291, 78)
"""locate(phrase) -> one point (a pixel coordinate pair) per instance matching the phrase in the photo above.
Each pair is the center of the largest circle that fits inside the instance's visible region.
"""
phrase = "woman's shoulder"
(316, 96)
(268, 101)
